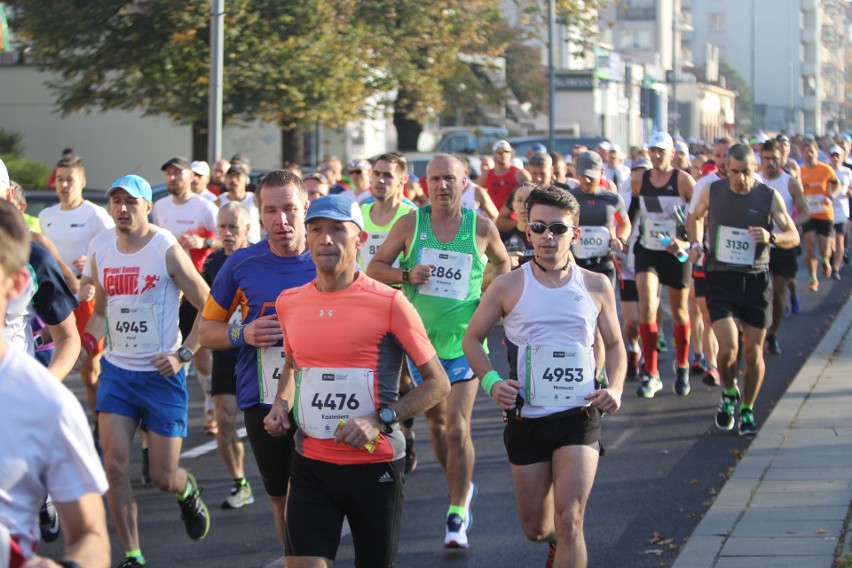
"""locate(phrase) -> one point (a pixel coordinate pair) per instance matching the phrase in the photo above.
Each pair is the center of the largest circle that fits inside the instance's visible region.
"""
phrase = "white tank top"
(468, 197)
(781, 184)
(548, 316)
(142, 302)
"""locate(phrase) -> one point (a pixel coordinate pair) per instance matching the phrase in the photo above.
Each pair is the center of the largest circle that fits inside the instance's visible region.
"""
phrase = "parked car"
(456, 139)
(564, 144)
(38, 199)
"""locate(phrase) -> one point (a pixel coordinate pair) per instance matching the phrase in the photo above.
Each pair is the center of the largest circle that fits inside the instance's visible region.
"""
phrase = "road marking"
(280, 561)
(623, 438)
(207, 447)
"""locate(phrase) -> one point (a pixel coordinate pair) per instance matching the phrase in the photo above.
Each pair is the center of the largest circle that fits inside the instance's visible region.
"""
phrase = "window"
(637, 10)
(635, 40)
(716, 21)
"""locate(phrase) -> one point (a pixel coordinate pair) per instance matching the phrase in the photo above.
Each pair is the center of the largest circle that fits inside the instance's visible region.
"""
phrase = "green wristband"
(490, 379)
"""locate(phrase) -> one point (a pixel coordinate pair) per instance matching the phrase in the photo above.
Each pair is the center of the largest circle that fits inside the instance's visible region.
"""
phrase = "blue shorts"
(160, 404)
(457, 369)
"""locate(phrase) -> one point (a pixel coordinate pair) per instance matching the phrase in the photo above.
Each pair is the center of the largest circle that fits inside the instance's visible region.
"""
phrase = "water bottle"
(681, 256)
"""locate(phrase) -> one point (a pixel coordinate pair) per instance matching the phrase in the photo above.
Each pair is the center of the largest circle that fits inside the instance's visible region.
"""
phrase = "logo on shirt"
(150, 280)
(323, 313)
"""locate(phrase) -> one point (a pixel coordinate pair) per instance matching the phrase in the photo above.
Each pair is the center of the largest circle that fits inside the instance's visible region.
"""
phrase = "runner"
(503, 177)
(317, 186)
(236, 182)
(783, 262)
(660, 196)
(552, 310)
(192, 221)
(820, 186)
(740, 213)
(349, 457)
(359, 173)
(71, 225)
(788, 164)
(515, 240)
(841, 207)
(139, 277)
(47, 446)
(234, 225)
(251, 279)
(441, 272)
(201, 181)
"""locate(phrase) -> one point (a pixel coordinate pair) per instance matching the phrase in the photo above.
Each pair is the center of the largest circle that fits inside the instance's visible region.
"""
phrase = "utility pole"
(551, 48)
(214, 119)
(675, 26)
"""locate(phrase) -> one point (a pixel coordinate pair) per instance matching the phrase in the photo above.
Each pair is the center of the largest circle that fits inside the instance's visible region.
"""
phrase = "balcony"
(809, 36)
(809, 5)
(809, 103)
(809, 68)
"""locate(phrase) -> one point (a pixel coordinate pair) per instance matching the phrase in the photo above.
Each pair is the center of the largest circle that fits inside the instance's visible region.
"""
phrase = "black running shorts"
(534, 440)
(823, 227)
(783, 262)
(666, 266)
(741, 295)
(274, 456)
(369, 496)
(224, 378)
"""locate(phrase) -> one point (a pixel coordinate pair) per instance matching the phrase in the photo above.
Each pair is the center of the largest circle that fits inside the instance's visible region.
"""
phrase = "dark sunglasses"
(317, 177)
(353, 172)
(555, 228)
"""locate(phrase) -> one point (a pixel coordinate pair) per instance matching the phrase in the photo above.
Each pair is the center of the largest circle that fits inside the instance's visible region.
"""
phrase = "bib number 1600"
(337, 401)
(563, 374)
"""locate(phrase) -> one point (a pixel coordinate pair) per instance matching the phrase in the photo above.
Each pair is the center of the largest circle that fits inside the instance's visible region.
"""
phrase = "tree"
(283, 60)
(735, 82)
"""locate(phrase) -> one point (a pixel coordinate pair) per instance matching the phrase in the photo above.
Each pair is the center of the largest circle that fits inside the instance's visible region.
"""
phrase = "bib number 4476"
(335, 401)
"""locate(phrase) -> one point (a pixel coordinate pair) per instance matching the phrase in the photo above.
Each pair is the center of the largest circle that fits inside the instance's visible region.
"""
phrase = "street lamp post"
(214, 118)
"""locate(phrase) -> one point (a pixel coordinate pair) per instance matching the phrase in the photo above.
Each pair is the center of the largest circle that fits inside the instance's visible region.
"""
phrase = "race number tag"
(816, 203)
(132, 328)
(593, 242)
(451, 275)
(270, 365)
(655, 230)
(559, 375)
(327, 396)
(735, 246)
(368, 251)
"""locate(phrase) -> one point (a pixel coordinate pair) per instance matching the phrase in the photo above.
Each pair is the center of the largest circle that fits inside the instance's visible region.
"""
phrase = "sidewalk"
(788, 502)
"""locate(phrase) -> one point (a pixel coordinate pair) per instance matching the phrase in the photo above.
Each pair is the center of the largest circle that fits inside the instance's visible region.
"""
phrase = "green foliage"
(11, 143)
(29, 173)
(738, 84)
(527, 76)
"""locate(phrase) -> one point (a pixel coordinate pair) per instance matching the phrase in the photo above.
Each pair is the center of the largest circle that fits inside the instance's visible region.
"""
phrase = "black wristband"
(69, 564)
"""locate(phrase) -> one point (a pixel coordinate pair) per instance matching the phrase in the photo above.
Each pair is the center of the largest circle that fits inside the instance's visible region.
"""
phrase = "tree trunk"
(199, 141)
(291, 145)
(407, 130)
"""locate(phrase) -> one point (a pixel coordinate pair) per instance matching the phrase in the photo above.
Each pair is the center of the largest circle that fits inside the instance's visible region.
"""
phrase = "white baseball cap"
(4, 176)
(501, 145)
(661, 140)
(200, 168)
(833, 150)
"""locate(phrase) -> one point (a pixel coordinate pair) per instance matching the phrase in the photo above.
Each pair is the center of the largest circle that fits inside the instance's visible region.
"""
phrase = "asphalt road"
(664, 463)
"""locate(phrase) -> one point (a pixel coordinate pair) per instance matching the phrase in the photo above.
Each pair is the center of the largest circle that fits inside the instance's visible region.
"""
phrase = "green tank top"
(447, 302)
(376, 234)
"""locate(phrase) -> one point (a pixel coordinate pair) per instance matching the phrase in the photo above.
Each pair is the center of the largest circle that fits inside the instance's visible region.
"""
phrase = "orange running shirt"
(348, 348)
(815, 183)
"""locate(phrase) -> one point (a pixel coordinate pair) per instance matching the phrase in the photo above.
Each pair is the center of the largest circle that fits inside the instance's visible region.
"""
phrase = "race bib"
(593, 242)
(132, 328)
(816, 203)
(368, 251)
(327, 396)
(735, 246)
(655, 230)
(451, 275)
(559, 375)
(270, 365)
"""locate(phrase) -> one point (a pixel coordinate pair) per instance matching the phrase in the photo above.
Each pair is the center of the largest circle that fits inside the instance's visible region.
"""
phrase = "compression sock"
(681, 339)
(749, 407)
(457, 509)
(649, 333)
(137, 554)
(186, 492)
(731, 392)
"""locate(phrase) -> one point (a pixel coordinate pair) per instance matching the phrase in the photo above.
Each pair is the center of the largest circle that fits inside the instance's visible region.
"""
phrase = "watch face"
(387, 415)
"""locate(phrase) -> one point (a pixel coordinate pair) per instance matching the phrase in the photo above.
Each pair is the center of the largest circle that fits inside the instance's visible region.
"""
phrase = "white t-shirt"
(196, 216)
(364, 196)
(208, 195)
(249, 203)
(72, 230)
(47, 447)
(841, 204)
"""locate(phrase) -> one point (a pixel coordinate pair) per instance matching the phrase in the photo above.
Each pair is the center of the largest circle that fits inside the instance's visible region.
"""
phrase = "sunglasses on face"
(353, 172)
(555, 228)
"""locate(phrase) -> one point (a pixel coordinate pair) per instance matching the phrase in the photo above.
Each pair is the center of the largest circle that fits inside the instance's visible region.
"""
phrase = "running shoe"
(835, 275)
(633, 365)
(711, 378)
(469, 502)
(551, 555)
(725, 414)
(456, 536)
(211, 427)
(48, 521)
(826, 269)
(772, 345)
(240, 496)
(650, 385)
(748, 427)
(410, 456)
(795, 307)
(131, 562)
(662, 346)
(681, 385)
(699, 365)
(813, 286)
(193, 511)
(146, 468)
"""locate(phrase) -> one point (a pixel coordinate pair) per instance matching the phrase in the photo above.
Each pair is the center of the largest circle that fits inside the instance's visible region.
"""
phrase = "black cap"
(240, 159)
(178, 162)
(237, 169)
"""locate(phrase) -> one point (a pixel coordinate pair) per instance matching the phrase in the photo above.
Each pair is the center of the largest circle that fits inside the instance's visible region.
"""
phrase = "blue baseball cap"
(537, 147)
(134, 185)
(337, 208)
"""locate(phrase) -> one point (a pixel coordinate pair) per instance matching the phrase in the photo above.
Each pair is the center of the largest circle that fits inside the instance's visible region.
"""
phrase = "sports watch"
(387, 416)
(406, 276)
(184, 354)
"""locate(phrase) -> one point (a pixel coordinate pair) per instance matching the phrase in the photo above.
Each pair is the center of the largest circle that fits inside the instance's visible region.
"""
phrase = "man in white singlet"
(553, 413)
(139, 277)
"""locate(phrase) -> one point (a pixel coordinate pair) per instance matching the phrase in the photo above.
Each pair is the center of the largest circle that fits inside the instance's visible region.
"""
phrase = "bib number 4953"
(563, 374)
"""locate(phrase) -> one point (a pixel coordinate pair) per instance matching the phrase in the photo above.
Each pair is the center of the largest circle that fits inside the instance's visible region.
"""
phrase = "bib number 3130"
(559, 375)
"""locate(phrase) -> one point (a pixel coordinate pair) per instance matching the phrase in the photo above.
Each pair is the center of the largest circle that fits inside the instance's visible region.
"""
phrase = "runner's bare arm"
(803, 215)
(504, 219)
(608, 400)
(485, 203)
(277, 423)
(685, 186)
(495, 250)
(399, 238)
(84, 526)
(789, 237)
(66, 347)
(636, 182)
(695, 224)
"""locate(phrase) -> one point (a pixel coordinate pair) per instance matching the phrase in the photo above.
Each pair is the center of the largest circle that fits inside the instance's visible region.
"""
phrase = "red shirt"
(499, 187)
